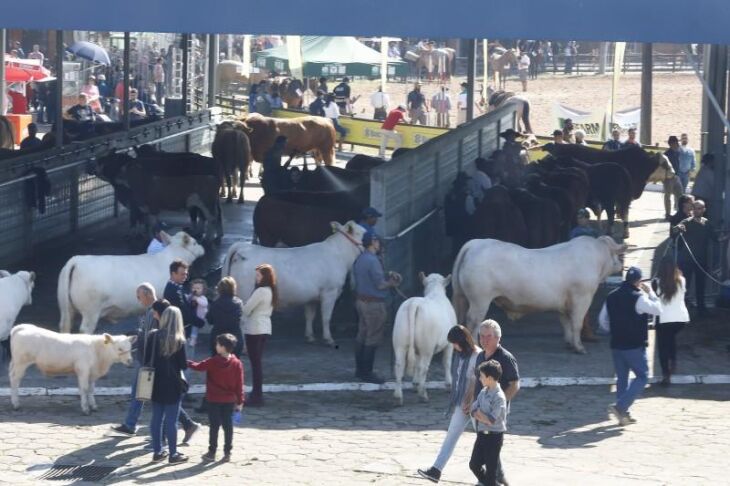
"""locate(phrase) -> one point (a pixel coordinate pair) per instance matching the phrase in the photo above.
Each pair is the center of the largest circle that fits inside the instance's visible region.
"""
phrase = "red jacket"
(224, 380)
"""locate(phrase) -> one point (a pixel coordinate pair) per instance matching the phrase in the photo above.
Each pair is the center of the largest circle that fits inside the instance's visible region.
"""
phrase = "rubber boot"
(359, 353)
(368, 360)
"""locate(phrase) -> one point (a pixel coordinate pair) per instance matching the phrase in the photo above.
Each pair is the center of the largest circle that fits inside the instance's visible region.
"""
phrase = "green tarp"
(331, 56)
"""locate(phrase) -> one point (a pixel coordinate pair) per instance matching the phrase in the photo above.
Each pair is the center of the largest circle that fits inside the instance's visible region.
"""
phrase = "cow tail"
(625, 196)
(458, 300)
(228, 261)
(526, 116)
(64, 296)
(411, 317)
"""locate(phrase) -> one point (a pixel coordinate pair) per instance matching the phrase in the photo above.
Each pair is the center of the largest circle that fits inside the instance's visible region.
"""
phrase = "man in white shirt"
(380, 102)
(625, 314)
(523, 68)
(461, 104)
(159, 242)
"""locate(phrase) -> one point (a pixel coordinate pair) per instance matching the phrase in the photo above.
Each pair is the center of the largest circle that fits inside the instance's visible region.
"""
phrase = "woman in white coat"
(257, 327)
(670, 286)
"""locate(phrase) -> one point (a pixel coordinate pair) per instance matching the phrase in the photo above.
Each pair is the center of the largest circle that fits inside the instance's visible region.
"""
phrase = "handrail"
(413, 226)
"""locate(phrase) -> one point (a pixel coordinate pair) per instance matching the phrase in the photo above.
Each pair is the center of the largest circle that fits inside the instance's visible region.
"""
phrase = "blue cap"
(371, 212)
(159, 226)
(633, 274)
(367, 238)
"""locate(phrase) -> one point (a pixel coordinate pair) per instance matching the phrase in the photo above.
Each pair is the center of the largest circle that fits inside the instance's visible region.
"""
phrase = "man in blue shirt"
(615, 142)
(369, 219)
(371, 289)
(687, 161)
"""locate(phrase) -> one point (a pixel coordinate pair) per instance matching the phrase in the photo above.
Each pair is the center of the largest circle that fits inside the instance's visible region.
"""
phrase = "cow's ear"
(132, 339)
(107, 338)
(186, 239)
(350, 228)
(335, 226)
(447, 280)
(32, 276)
(421, 277)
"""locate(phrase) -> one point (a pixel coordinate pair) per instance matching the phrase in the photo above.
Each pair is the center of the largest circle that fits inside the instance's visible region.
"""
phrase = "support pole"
(602, 57)
(647, 88)
(471, 79)
(714, 138)
(126, 70)
(185, 80)
(59, 88)
(3, 94)
(213, 48)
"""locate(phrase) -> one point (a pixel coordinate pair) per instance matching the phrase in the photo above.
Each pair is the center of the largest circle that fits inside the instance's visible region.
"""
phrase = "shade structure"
(90, 51)
(24, 70)
(331, 56)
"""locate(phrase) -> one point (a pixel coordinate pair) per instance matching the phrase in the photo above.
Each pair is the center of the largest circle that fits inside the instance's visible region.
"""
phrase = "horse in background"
(499, 61)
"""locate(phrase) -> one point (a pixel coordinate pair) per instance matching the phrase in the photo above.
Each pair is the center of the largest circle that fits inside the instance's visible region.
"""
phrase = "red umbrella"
(24, 70)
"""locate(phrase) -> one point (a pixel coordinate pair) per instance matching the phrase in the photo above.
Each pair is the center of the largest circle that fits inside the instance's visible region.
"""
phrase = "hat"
(633, 275)
(510, 132)
(371, 212)
(159, 226)
(101, 77)
(368, 238)
(673, 138)
(402, 107)
(583, 213)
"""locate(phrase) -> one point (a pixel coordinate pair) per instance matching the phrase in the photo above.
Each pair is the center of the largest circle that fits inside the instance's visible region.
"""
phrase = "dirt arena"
(677, 99)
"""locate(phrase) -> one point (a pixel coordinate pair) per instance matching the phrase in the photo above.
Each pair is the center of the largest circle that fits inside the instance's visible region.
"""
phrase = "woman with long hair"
(332, 111)
(165, 352)
(462, 392)
(257, 326)
(670, 286)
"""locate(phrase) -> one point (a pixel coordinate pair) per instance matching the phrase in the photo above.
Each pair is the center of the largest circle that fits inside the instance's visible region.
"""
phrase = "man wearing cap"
(157, 244)
(625, 314)
(342, 96)
(371, 289)
(512, 148)
(615, 142)
(387, 130)
(417, 107)
(316, 107)
(369, 219)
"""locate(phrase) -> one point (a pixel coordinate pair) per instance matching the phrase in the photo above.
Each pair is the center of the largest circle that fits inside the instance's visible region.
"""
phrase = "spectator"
(316, 107)
(417, 107)
(342, 96)
(388, 132)
(323, 85)
(225, 314)
(199, 301)
(558, 136)
(672, 153)
(580, 137)
(489, 410)
(158, 242)
(523, 68)
(257, 326)
(136, 107)
(223, 391)
(31, 141)
(462, 382)
(670, 286)
(685, 204)
(631, 141)
(687, 161)
(441, 104)
(369, 219)
(332, 111)
(568, 131)
(583, 229)
(252, 94)
(81, 111)
(704, 186)
(570, 51)
(165, 352)
(615, 142)
(158, 76)
(19, 50)
(624, 315)
(275, 101)
(91, 90)
(380, 102)
(178, 294)
(37, 54)
(462, 104)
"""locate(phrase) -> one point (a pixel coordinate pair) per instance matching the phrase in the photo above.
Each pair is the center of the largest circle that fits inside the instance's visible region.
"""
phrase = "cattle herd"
(312, 213)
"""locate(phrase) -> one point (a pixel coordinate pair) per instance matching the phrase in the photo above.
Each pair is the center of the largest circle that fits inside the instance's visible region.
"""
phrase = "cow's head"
(353, 231)
(108, 168)
(664, 169)
(29, 279)
(119, 348)
(4, 273)
(184, 240)
(615, 251)
(434, 279)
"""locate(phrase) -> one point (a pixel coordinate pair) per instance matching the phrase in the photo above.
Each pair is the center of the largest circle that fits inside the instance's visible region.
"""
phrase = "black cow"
(560, 196)
(542, 218)
(364, 162)
(232, 149)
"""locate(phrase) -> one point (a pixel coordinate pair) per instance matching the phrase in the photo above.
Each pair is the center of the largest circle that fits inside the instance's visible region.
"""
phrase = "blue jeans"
(135, 406)
(164, 422)
(684, 179)
(456, 426)
(623, 361)
(339, 128)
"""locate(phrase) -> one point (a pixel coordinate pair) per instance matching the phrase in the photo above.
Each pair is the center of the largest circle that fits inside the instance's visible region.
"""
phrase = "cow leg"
(398, 370)
(240, 183)
(446, 356)
(90, 395)
(327, 305)
(610, 218)
(310, 311)
(229, 184)
(424, 359)
(16, 371)
(475, 315)
(83, 377)
(626, 224)
(89, 322)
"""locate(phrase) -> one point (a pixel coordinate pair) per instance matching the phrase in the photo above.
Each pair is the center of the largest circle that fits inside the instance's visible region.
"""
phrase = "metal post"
(602, 57)
(213, 48)
(471, 79)
(125, 72)
(647, 81)
(714, 139)
(185, 80)
(59, 88)
(2, 72)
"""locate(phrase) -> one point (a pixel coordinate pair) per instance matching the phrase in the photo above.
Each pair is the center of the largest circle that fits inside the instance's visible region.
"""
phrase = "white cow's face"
(188, 242)
(434, 280)
(29, 279)
(120, 348)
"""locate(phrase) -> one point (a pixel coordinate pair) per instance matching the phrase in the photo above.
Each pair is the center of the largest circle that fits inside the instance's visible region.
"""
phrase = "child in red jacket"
(224, 392)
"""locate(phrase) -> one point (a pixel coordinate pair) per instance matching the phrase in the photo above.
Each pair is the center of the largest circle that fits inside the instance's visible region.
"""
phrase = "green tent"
(331, 56)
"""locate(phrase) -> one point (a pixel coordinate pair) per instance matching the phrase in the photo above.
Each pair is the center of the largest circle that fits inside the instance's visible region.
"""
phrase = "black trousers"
(255, 344)
(219, 415)
(666, 336)
(486, 455)
(691, 270)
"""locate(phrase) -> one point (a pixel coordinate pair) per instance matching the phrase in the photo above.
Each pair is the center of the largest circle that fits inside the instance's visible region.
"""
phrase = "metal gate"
(410, 191)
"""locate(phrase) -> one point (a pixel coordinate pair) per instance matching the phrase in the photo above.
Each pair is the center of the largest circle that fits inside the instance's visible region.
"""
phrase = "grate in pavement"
(65, 472)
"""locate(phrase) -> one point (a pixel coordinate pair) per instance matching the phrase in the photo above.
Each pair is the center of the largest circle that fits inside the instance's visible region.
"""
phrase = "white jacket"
(257, 312)
(675, 310)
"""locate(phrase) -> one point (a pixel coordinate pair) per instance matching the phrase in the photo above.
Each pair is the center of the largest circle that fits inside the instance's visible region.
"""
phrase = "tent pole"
(126, 70)
(647, 78)
(471, 78)
(59, 88)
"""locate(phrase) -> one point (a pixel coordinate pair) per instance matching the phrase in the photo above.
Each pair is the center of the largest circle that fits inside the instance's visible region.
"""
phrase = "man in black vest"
(625, 314)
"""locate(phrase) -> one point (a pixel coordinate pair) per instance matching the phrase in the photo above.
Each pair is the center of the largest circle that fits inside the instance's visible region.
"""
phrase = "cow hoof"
(241, 201)
(86, 412)
(581, 350)
(310, 339)
(331, 343)
(16, 407)
(229, 200)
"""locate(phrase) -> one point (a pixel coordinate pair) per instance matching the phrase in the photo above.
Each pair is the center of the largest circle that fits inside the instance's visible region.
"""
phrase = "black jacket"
(177, 295)
(167, 387)
(224, 314)
(629, 330)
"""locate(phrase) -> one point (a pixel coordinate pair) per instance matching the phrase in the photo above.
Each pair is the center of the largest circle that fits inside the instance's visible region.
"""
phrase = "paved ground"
(558, 436)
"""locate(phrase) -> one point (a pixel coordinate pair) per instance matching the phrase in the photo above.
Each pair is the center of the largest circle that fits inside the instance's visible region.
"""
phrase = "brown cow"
(232, 150)
(303, 134)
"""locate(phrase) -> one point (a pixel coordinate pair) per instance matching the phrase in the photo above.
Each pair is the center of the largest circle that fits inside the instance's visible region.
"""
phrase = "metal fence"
(410, 191)
(78, 200)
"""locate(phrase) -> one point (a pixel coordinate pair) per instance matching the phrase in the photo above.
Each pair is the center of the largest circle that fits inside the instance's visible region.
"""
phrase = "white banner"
(625, 119)
(593, 123)
(618, 63)
(294, 49)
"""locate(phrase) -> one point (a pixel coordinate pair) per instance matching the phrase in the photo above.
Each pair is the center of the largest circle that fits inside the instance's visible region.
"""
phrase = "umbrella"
(90, 51)
(24, 70)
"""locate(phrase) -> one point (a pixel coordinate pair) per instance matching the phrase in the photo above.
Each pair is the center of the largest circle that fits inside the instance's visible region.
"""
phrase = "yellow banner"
(367, 132)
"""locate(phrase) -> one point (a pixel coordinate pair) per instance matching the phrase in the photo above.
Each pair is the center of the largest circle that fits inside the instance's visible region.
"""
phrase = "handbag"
(146, 378)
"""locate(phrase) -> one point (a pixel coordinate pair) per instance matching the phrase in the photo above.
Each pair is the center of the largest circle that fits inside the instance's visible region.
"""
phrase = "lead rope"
(711, 277)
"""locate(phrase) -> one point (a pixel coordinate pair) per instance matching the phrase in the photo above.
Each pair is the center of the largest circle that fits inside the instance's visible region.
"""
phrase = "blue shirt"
(583, 231)
(613, 145)
(368, 274)
(686, 159)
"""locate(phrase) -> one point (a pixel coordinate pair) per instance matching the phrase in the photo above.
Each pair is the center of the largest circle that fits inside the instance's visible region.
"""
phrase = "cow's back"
(53, 353)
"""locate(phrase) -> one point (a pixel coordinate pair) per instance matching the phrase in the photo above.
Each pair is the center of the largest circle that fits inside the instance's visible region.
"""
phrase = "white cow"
(420, 330)
(104, 286)
(15, 292)
(562, 278)
(88, 357)
(305, 275)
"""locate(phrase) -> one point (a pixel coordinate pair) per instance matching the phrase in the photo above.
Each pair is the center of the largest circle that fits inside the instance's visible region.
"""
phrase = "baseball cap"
(368, 238)
(159, 226)
(371, 212)
(633, 274)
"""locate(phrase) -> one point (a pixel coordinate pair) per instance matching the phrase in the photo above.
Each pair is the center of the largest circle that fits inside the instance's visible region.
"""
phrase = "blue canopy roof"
(676, 21)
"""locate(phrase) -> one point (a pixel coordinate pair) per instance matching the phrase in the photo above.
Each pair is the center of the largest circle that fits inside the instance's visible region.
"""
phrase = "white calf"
(420, 330)
(88, 357)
